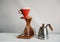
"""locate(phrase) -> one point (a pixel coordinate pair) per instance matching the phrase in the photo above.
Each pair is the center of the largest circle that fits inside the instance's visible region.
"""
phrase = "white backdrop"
(42, 11)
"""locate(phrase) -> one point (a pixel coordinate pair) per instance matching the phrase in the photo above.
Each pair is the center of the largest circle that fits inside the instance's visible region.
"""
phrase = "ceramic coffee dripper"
(24, 11)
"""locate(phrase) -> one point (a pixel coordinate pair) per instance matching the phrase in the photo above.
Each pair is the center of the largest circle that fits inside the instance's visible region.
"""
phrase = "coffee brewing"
(28, 31)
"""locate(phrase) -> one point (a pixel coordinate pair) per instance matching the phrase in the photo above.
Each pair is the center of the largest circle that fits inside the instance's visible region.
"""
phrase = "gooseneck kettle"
(43, 31)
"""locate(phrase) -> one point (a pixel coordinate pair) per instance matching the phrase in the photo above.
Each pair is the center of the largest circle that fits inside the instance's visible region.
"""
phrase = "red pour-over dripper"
(25, 12)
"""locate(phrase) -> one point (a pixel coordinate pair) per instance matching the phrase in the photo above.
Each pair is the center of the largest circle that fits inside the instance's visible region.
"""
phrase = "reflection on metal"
(43, 32)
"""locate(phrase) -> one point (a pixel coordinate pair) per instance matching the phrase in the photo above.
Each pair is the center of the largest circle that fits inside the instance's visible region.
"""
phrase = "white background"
(42, 11)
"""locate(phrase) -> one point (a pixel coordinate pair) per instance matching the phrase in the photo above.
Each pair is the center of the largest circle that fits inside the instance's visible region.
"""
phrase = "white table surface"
(11, 37)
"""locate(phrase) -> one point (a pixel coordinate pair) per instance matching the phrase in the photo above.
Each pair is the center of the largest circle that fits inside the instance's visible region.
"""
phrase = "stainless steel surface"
(43, 31)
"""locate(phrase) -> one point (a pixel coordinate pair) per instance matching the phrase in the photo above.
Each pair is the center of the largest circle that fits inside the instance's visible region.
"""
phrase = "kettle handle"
(50, 27)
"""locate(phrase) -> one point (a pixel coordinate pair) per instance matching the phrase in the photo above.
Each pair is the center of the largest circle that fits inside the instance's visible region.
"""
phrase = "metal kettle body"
(43, 31)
